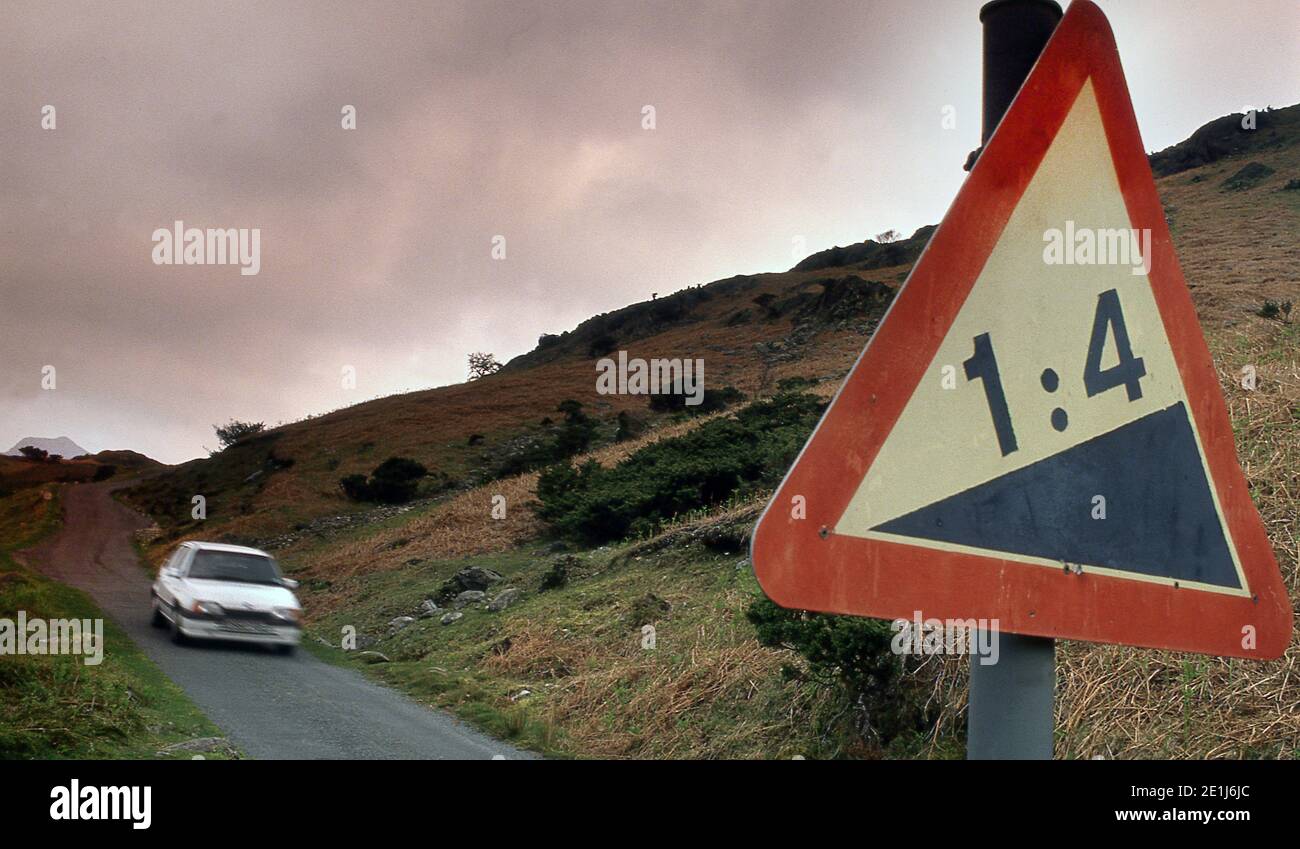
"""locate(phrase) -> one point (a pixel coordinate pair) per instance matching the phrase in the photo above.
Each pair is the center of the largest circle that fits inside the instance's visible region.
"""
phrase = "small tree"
(31, 452)
(481, 364)
(888, 236)
(231, 433)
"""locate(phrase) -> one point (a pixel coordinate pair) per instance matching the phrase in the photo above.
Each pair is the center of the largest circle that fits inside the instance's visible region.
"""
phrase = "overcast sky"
(773, 121)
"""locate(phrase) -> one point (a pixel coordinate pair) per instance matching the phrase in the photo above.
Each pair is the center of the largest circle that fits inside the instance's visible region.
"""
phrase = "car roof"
(221, 546)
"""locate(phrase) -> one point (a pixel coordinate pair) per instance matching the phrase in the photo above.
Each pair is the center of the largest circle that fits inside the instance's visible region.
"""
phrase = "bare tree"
(889, 236)
(481, 364)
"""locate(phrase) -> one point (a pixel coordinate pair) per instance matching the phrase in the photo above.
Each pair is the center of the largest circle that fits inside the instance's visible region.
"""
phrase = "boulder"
(476, 578)
(469, 597)
(558, 575)
(504, 599)
(428, 608)
(451, 617)
(399, 623)
(473, 578)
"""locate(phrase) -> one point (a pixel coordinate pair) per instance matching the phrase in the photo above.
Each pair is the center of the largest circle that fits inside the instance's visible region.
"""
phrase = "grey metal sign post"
(1010, 708)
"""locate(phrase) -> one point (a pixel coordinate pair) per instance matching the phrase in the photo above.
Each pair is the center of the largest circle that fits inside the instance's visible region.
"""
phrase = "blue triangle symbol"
(1160, 519)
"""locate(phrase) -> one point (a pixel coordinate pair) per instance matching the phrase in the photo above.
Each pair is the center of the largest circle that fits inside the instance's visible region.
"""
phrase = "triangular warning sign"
(1035, 433)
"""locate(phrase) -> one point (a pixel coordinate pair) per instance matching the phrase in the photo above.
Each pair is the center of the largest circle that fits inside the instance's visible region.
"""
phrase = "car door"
(172, 576)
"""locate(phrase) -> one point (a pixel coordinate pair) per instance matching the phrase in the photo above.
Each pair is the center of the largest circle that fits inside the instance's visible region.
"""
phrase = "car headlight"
(207, 608)
(290, 614)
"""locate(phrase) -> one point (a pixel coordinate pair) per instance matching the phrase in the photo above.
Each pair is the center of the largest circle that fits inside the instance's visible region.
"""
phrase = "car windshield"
(233, 566)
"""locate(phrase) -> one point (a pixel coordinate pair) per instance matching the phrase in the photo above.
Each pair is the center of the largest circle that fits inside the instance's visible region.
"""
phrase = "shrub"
(399, 469)
(103, 473)
(234, 431)
(573, 436)
(794, 384)
(576, 431)
(393, 481)
(603, 344)
(730, 455)
(31, 452)
(1250, 175)
(629, 427)
(853, 653)
(710, 402)
(355, 487)
(1273, 309)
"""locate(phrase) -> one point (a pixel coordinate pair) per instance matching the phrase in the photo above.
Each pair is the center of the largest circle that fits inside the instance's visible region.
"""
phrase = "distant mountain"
(62, 446)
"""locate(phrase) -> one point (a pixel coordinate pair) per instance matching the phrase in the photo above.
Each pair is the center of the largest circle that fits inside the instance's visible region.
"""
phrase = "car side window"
(177, 562)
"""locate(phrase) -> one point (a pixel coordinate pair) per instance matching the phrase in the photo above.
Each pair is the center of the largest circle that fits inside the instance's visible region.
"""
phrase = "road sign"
(1035, 433)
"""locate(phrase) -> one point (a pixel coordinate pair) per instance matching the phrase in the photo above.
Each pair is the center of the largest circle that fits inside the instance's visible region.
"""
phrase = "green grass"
(56, 706)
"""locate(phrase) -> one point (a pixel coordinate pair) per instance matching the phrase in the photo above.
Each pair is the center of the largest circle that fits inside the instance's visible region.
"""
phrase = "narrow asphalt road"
(269, 705)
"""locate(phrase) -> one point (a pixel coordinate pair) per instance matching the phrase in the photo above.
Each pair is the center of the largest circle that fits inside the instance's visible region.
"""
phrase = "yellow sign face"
(1052, 398)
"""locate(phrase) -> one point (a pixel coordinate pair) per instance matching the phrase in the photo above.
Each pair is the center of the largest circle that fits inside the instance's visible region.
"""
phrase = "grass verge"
(56, 706)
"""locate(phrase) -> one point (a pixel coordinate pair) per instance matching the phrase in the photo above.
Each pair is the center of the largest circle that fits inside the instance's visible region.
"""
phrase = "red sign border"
(803, 564)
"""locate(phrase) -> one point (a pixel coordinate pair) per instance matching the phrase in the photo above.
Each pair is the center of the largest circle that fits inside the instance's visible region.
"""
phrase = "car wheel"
(285, 649)
(158, 620)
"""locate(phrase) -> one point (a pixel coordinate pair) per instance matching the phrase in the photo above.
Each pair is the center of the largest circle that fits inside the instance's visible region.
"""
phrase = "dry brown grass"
(615, 700)
(536, 654)
(460, 527)
(1236, 248)
(1118, 702)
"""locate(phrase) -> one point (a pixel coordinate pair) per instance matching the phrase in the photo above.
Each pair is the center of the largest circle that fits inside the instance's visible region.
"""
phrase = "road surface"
(269, 705)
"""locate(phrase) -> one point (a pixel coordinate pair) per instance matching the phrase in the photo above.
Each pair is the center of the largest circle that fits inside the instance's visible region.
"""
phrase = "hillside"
(19, 473)
(1233, 201)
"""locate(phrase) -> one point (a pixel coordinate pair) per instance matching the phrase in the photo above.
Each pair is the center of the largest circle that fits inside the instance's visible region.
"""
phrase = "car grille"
(263, 616)
(230, 626)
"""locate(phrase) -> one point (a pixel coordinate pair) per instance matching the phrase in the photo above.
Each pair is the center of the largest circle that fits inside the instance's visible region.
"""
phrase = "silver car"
(213, 591)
